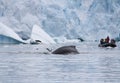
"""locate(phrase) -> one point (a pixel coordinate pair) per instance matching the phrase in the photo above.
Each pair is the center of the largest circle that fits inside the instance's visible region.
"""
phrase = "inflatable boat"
(107, 45)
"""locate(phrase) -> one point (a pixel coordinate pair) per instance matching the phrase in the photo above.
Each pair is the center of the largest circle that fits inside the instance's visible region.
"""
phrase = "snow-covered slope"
(87, 19)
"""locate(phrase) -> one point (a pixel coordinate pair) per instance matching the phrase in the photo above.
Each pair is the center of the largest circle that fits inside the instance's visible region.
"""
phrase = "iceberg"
(39, 35)
(8, 36)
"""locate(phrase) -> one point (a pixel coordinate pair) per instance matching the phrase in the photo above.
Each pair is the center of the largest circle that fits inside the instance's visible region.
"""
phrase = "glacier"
(72, 19)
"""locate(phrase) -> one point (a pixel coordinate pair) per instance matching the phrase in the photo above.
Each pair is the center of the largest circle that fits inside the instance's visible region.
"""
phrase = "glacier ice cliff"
(87, 19)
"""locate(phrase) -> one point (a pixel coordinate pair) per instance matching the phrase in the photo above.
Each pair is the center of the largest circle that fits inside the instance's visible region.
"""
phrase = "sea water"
(34, 64)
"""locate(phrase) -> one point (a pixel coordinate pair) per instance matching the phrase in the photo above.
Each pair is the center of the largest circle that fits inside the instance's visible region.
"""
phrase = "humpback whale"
(66, 50)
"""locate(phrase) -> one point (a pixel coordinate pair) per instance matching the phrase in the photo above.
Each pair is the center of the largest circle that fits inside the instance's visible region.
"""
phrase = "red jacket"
(107, 40)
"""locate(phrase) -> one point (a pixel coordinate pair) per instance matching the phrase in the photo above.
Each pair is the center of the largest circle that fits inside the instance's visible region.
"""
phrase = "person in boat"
(106, 43)
(113, 43)
(102, 41)
(107, 39)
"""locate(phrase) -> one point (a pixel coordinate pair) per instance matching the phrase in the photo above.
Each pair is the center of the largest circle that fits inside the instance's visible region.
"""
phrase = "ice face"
(87, 19)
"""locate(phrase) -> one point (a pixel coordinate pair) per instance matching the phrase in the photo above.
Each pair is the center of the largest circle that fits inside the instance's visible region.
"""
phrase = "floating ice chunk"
(38, 34)
(7, 35)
